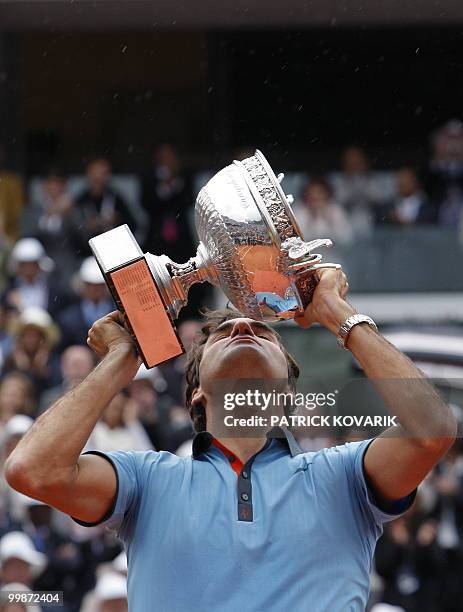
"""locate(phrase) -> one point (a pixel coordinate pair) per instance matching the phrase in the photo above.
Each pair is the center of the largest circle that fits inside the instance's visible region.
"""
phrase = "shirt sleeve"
(127, 497)
(380, 511)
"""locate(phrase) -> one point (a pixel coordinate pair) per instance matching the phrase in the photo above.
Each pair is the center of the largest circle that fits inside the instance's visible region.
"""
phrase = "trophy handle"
(297, 261)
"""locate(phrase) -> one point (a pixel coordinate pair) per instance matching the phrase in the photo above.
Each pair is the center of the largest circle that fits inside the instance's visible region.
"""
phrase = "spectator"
(76, 364)
(94, 302)
(409, 560)
(319, 216)
(444, 175)
(411, 206)
(20, 561)
(13, 431)
(64, 556)
(99, 207)
(120, 428)
(17, 396)
(167, 199)
(155, 404)
(11, 200)
(35, 336)
(6, 317)
(16, 606)
(173, 370)
(32, 283)
(120, 565)
(110, 594)
(51, 221)
(356, 190)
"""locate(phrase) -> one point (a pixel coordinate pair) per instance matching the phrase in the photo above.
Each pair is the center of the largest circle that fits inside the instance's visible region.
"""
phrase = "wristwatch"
(348, 324)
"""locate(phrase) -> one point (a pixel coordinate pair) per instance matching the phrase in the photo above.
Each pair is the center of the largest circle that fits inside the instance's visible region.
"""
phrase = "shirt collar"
(203, 441)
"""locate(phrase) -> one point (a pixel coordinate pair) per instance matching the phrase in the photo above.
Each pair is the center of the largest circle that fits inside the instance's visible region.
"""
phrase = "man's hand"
(107, 336)
(328, 306)
(395, 463)
(108, 333)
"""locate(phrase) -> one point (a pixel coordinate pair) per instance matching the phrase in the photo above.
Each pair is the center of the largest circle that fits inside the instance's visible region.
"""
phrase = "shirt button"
(244, 474)
(244, 496)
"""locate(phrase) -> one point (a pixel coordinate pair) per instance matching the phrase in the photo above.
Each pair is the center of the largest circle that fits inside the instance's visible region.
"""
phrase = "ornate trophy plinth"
(250, 246)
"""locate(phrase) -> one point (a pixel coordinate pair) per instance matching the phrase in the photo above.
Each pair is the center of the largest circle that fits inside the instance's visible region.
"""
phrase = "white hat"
(33, 316)
(120, 563)
(153, 375)
(90, 272)
(111, 586)
(30, 249)
(18, 545)
(17, 425)
(27, 249)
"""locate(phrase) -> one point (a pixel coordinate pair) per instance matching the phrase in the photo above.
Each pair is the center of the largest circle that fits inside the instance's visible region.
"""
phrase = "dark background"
(296, 93)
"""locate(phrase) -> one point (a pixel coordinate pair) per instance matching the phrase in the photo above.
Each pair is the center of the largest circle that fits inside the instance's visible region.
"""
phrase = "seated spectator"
(35, 336)
(444, 174)
(6, 317)
(94, 302)
(51, 221)
(411, 206)
(109, 595)
(167, 199)
(11, 200)
(119, 428)
(356, 190)
(33, 283)
(155, 403)
(13, 431)
(64, 556)
(19, 560)
(99, 207)
(17, 396)
(319, 216)
(173, 371)
(16, 606)
(409, 560)
(76, 364)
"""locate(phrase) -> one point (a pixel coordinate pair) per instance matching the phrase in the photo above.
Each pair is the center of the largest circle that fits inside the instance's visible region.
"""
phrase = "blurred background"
(118, 112)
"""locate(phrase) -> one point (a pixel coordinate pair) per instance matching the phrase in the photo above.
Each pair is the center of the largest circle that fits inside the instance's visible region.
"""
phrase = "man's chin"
(245, 360)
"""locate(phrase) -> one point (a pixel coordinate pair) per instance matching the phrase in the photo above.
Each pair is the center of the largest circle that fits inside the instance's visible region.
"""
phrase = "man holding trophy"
(245, 523)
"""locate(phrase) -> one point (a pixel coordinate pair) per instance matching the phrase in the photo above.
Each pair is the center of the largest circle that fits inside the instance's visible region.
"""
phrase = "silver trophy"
(250, 246)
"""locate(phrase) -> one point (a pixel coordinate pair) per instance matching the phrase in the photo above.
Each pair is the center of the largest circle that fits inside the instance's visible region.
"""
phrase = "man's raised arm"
(395, 463)
(46, 464)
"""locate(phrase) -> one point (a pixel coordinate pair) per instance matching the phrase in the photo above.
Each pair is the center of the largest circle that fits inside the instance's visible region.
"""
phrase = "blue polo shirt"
(292, 531)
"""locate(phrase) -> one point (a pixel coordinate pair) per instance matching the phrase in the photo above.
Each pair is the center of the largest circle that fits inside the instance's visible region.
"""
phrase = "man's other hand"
(328, 306)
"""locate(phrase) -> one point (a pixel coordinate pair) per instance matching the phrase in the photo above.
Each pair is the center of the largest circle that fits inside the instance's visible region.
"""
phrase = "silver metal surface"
(251, 246)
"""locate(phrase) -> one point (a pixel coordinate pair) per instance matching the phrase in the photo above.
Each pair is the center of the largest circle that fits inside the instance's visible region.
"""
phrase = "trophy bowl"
(250, 246)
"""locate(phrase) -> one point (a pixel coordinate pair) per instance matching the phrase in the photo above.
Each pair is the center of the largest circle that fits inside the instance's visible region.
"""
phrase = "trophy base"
(137, 294)
(139, 299)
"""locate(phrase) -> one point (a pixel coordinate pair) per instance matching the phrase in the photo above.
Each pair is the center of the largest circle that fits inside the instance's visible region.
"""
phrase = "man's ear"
(198, 397)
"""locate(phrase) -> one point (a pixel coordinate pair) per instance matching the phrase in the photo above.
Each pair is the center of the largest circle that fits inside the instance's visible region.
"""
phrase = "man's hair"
(212, 319)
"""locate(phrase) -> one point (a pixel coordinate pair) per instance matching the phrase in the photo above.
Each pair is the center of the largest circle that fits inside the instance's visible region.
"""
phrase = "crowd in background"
(51, 292)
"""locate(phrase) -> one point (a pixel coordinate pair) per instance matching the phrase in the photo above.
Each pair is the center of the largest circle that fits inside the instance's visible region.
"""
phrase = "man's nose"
(241, 328)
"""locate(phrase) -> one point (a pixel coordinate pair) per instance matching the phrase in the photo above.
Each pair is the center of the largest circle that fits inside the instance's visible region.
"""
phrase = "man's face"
(28, 270)
(98, 173)
(242, 348)
(76, 364)
(95, 292)
(16, 570)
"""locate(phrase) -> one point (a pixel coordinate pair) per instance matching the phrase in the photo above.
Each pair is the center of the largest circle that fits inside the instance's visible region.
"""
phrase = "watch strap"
(348, 324)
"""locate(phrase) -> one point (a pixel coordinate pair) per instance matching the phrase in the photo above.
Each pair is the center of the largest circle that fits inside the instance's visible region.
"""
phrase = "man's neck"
(243, 448)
